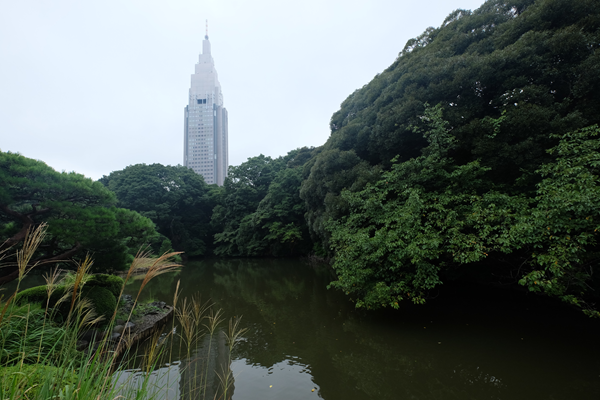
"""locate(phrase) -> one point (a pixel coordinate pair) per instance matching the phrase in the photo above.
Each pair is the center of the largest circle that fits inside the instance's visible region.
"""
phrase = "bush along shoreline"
(72, 339)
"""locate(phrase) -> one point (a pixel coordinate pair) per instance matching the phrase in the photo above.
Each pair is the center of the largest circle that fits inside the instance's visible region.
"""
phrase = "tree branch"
(64, 256)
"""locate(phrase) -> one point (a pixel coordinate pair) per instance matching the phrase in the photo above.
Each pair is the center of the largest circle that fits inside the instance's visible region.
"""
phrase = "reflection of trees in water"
(277, 301)
(160, 288)
(202, 373)
(391, 372)
(352, 355)
(291, 312)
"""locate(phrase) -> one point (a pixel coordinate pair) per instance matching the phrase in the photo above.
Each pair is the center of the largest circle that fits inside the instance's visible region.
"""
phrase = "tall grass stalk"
(175, 299)
(51, 281)
(32, 241)
(81, 277)
(214, 320)
(41, 358)
(232, 338)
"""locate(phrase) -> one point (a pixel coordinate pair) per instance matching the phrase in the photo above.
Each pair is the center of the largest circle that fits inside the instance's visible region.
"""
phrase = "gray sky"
(95, 86)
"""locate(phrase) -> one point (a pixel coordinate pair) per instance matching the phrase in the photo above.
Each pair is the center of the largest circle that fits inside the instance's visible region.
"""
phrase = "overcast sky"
(95, 86)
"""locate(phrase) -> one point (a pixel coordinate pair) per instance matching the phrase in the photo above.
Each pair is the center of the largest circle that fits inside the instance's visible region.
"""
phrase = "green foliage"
(566, 221)
(419, 216)
(80, 213)
(28, 336)
(429, 214)
(508, 75)
(111, 282)
(35, 379)
(261, 212)
(175, 198)
(103, 301)
(330, 172)
(39, 295)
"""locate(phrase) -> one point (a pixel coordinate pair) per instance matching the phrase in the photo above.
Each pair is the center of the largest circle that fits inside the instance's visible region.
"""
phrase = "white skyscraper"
(205, 128)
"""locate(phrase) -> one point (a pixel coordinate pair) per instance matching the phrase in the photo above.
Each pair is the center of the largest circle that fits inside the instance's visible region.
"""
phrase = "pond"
(306, 342)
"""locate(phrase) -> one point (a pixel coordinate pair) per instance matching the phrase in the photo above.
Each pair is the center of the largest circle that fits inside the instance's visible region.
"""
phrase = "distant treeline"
(473, 156)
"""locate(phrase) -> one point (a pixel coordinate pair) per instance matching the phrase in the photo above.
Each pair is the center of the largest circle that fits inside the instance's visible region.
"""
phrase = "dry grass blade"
(87, 315)
(175, 299)
(214, 320)
(176, 294)
(81, 277)
(199, 309)
(141, 260)
(185, 315)
(32, 241)
(151, 355)
(52, 280)
(6, 305)
(4, 250)
(159, 266)
(235, 332)
(226, 379)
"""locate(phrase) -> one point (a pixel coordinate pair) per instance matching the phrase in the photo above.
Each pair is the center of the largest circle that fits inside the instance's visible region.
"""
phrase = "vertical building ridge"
(205, 122)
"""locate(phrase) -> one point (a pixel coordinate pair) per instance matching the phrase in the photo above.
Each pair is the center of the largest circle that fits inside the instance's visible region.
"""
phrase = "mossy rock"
(103, 301)
(35, 380)
(110, 282)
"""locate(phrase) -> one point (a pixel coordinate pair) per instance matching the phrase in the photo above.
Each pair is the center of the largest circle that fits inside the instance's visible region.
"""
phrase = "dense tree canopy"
(175, 198)
(81, 215)
(531, 65)
(403, 199)
(260, 212)
(430, 214)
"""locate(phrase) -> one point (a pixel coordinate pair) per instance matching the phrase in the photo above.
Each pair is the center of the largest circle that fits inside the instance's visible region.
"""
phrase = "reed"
(233, 337)
(214, 320)
(32, 241)
(38, 357)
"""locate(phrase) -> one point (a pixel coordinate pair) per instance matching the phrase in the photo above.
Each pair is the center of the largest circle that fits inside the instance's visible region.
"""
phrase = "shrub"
(103, 301)
(39, 295)
(111, 282)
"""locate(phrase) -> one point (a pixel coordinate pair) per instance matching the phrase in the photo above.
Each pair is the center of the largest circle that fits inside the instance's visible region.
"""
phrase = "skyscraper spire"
(205, 122)
(206, 42)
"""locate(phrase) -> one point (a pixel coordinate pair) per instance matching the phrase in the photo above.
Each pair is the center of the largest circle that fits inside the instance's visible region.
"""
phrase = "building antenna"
(206, 37)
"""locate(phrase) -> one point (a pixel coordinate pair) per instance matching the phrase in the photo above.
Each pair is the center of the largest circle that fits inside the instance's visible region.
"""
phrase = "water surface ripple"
(307, 342)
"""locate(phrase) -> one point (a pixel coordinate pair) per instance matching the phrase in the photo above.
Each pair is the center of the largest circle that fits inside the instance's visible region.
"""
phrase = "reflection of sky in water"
(288, 380)
(163, 383)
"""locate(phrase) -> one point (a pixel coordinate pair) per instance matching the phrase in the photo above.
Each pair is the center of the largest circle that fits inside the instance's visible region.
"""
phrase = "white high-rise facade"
(205, 128)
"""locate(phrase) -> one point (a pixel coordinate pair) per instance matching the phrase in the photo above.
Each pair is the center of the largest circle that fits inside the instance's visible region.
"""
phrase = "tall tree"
(431, 214)
(261, 213)
(80, 213)
(508, 75)
(175, 198)
(245, 186)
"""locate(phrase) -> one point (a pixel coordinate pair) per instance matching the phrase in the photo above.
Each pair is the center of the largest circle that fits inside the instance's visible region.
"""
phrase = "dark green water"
(468, 343)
